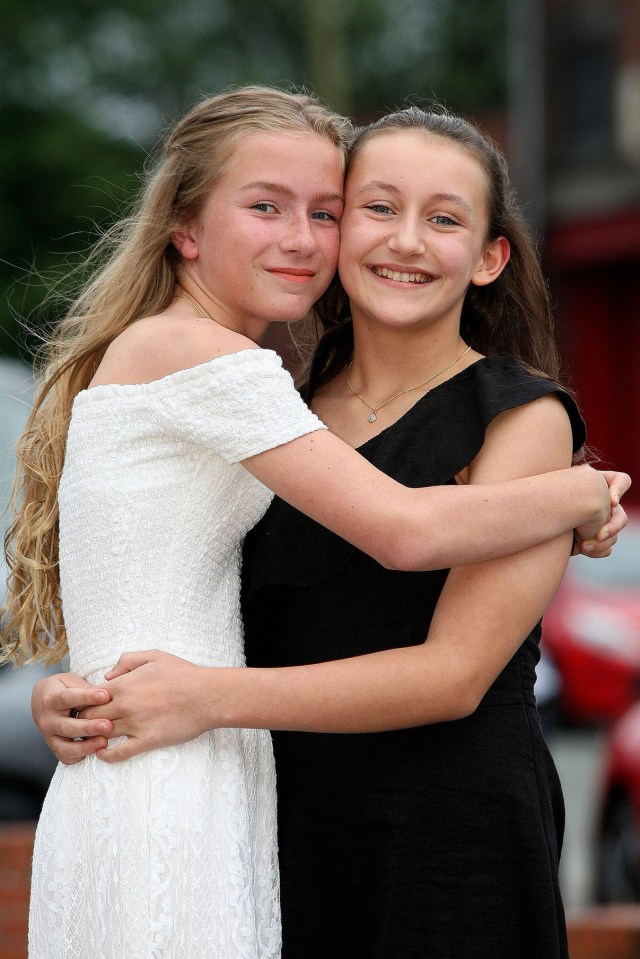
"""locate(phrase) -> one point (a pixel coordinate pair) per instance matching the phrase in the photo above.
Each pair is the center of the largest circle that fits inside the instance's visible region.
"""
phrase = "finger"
(71, 753)
(617, 522)
(70, 728)
(94, 713)
(128, 662)
(619, 483)
(125, 750)
(604, 545)
(62, 699)
(597, 550)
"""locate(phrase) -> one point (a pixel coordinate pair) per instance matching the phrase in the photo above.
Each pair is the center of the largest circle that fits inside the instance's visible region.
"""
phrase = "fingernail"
(616, 498)
(104, 727)
(103, 696)
(588, 549)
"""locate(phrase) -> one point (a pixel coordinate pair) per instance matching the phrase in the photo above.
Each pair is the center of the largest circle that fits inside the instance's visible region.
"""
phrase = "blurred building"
(592, 212)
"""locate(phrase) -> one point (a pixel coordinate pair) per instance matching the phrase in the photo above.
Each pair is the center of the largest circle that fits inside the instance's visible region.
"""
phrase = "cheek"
(331, 249)
(459, 257)
(328, 247)
(354, 244)
(349, 266)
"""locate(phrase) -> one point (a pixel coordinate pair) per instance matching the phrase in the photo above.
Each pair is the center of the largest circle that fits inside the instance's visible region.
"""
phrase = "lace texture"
(169, 855)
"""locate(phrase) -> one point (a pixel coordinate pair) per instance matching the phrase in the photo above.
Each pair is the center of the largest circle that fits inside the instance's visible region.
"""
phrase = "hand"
(53, 701)
(598, 544)
(154, 699)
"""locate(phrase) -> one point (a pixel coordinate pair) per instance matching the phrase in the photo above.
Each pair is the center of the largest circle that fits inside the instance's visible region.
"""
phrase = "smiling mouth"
(402, 276)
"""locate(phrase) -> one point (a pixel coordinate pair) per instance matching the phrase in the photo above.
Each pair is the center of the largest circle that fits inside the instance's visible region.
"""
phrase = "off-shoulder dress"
(172, 854)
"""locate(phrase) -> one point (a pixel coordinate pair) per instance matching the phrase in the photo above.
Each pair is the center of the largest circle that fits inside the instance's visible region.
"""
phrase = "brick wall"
(16, 842)
(607, 932)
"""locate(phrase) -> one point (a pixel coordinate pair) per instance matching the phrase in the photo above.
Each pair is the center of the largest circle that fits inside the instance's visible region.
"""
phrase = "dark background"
(87, 88)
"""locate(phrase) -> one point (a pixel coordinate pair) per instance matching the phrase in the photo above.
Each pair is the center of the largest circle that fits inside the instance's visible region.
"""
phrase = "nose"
(407, 238)
(299, 236)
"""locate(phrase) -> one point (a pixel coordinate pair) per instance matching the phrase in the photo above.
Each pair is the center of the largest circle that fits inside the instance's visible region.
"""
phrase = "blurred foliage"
(88, 87)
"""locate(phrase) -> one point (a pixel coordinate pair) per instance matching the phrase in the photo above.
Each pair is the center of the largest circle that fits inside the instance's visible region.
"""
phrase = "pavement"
(578, 756)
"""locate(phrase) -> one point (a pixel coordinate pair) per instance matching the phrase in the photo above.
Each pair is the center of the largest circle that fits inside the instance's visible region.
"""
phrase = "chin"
(291, 315)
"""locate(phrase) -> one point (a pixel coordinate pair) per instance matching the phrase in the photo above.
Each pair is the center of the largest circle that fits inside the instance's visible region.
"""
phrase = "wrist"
(596, 500)
(221, 696)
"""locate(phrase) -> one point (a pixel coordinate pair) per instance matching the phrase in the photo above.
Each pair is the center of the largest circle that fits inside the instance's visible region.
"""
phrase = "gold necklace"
(373, 416)
(194, 304)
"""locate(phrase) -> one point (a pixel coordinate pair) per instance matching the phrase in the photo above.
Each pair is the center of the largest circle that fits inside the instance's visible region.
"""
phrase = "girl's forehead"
(416, 157)
(290, 145)
(296, 153)
(399, 144)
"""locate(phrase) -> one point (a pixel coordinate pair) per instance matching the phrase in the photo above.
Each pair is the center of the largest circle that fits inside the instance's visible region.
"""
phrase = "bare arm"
(56, 698)
(322, 476)
(435, 528)
(443, 679)
(455, 525)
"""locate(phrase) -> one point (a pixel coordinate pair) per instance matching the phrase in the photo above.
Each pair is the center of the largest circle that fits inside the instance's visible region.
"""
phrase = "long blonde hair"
(133, 271)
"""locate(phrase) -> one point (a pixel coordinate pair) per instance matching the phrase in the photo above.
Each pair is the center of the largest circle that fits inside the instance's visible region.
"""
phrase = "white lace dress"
(172, 854)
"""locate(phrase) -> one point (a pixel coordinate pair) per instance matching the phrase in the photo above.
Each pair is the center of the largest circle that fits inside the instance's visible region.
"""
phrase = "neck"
(386, 360)
(252, 327)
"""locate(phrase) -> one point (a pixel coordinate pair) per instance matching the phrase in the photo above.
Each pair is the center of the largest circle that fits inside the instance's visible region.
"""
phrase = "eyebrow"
(453, 198)
(285, 190)
(377, 185)
(391, 188)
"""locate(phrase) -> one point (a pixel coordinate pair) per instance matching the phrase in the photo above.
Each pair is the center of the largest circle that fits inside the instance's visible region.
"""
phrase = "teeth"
(401, 277)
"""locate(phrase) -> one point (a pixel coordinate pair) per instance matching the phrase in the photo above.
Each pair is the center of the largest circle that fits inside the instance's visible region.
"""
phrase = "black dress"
(440, 841)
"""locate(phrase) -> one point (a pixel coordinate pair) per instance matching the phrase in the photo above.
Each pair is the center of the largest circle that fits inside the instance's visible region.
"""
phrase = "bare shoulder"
(156, 346)
(547, 413)
(533, 438)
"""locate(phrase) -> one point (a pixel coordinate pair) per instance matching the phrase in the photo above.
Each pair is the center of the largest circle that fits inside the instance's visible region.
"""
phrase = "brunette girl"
(177, 399)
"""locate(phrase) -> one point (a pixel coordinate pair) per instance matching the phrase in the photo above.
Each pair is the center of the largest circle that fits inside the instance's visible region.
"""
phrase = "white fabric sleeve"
(237, 405)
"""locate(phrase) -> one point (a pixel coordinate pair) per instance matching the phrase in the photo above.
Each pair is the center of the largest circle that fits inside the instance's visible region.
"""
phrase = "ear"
(494, 259)
(186, 242)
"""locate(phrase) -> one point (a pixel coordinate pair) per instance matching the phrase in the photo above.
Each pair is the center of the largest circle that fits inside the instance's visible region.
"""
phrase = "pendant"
(373, 416)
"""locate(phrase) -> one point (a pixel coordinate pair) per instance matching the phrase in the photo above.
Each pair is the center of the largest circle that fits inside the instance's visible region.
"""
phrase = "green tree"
(87, 89)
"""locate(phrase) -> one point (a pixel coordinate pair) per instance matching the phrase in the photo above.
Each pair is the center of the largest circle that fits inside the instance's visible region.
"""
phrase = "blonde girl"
(158, 432)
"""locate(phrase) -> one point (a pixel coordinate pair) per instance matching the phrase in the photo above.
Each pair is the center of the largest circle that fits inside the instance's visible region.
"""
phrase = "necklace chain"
(194, 304)
(373, 416)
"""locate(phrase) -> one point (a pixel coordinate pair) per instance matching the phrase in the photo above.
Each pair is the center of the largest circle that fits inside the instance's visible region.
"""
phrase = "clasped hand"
(156, 699)
(160, 703)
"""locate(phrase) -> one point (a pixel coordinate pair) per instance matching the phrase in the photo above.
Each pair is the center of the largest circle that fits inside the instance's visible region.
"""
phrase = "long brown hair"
(132, 274)
(511, 316)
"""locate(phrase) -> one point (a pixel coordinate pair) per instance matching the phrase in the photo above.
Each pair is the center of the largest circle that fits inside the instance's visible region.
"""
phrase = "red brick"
(16, 845)
(605, 932)
(14, 948)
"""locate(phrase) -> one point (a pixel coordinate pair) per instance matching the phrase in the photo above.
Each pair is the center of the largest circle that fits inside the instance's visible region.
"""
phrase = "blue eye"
(264, 207)
(443, 220)
(379, 208)
(323, 215)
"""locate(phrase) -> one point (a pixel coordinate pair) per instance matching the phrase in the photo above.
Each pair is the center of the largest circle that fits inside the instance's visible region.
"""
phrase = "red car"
(591, 632)
(618, 836)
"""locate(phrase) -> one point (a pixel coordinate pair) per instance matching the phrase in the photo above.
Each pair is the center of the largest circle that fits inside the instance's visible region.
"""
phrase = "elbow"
(472, 691)
(467, 704)
(409, 548)
(464, 701)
